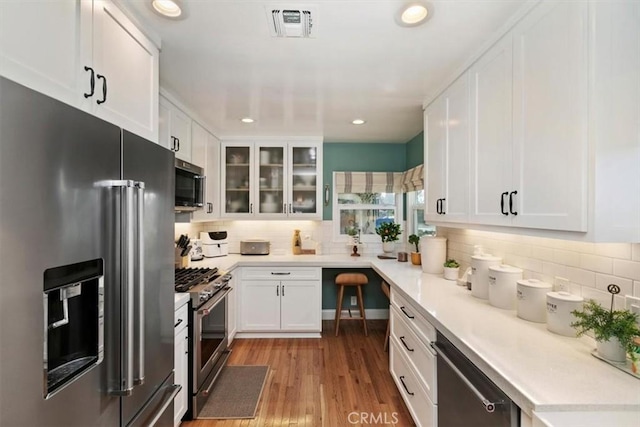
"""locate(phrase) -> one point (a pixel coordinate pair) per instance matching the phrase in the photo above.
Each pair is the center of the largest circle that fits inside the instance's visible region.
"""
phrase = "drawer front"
(420, 356)
(423, 411)
(181, 318)
(422, 328)
(282, 273)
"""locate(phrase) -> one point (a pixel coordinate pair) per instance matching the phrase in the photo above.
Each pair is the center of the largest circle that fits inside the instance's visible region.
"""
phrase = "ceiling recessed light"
(358, 122)
(413, 14)
(168, 8)
(247, 120)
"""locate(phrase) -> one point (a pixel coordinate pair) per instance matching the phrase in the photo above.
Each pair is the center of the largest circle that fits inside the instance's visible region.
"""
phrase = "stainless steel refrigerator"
(86, 269)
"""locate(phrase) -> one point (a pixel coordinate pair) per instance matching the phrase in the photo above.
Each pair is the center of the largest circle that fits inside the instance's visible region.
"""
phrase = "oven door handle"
(206, 308)
(488, 405)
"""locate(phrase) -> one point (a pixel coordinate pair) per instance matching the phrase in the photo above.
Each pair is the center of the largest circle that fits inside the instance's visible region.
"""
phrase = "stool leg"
(361, 305)
(339, 307)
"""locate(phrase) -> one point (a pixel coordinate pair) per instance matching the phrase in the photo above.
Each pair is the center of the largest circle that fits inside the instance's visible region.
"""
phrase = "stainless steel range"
(208, 288)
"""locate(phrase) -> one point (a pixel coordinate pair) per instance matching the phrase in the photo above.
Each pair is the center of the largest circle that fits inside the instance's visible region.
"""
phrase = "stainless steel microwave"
(190, 183)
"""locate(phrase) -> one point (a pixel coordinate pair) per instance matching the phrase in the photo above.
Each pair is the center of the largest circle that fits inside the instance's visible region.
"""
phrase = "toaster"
(254, 247)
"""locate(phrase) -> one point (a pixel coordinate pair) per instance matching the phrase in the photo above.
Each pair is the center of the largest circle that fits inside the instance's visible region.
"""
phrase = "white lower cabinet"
(280, 299)
(181, 362)
(232, 310)
(412, 361)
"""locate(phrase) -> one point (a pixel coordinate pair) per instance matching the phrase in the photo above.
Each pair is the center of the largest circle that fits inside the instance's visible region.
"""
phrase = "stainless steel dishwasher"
(466, 397)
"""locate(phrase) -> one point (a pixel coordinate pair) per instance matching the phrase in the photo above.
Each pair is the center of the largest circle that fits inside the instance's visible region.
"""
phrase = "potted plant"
(613, 330)
(451, 268)
(388, 232)
(414, 239)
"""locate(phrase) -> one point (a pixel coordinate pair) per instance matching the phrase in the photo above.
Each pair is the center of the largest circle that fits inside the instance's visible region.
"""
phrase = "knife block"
(181, 261)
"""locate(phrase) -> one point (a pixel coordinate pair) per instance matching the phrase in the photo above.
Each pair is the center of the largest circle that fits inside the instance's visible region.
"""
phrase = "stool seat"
(351, 279)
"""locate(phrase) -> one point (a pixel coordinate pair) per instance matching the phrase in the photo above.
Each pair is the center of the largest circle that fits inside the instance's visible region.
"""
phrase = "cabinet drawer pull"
(405, 386)
(442, 210)
(282, 290)
(278, 290)
(178, 322)
(93, 82)
(178, 142)
(405, 344)
(104, 89)
(438, 206)
(513, 193)
(406, 314)
(281, 273)
(502, 203)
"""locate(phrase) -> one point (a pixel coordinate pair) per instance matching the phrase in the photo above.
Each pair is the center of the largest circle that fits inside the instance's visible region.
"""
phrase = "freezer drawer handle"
(405, 386)
(406, 314)
(488, 405)
(168, 400)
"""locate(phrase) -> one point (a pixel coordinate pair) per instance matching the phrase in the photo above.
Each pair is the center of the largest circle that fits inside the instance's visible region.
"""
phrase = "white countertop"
(537, 369)
(180, 299)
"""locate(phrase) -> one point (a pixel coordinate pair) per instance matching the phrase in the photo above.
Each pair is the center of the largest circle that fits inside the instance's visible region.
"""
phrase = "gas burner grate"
(186, 278)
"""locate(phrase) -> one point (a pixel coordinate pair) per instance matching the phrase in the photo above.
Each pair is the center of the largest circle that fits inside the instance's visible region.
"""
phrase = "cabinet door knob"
(104, 89)
(93, 82)
(502, 203)
(513, 193)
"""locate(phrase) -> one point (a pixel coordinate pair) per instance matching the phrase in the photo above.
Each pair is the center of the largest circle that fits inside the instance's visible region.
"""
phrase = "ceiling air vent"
(289, 21)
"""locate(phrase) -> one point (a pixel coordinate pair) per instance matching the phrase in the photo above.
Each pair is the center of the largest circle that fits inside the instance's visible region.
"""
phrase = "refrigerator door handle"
(138, 377)
(124, 384)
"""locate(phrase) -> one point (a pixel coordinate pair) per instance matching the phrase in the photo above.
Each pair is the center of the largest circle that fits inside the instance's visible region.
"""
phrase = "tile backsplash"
(589, 267)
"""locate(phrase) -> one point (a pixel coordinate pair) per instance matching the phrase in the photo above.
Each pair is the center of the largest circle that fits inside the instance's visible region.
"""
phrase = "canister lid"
(504, 268)
(564, 296)
(534, 283)
(486, 257)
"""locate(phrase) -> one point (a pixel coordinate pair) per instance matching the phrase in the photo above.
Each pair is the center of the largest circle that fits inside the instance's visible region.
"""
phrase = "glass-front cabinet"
(272, 180)
(237, 179)
(306, 182)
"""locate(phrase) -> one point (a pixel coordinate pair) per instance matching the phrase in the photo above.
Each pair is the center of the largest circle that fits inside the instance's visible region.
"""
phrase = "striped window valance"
(368, 182)
(413, 179)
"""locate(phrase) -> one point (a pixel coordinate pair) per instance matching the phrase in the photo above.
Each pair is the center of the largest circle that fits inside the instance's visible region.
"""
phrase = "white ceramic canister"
(559, 308)
(434, 253)
(480, 268)
(503, 281)
(531, 301)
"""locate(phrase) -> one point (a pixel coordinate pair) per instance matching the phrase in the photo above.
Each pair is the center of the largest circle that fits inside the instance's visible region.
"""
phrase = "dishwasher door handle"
(488, 405)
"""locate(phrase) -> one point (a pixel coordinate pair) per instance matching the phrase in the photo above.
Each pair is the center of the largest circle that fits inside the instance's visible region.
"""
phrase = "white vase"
(451, 273)
(388, 247)
(612, 350)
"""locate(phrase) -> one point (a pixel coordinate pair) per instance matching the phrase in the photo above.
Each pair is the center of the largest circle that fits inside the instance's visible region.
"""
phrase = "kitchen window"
(362, 201)
(415, 215)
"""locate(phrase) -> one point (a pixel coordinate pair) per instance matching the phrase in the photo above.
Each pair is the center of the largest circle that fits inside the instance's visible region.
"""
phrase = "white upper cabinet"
(447, 154)
(550, 106)
(175, 130)
(46, 45)
(86, 54)
(126, 66)
(271, 180)
(205, 152)
(491, 135)
(615, 121)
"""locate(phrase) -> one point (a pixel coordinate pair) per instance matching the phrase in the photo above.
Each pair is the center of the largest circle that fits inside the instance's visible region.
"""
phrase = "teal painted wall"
(360, 157)
(415, 151)
(371, 292)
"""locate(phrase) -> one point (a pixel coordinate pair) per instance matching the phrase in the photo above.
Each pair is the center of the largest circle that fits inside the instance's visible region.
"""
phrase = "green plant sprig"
(451, 263)
(606, 324)
(414, 239)
(388, 231)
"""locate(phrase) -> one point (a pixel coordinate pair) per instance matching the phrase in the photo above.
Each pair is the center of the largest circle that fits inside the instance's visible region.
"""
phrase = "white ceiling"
(221, 61)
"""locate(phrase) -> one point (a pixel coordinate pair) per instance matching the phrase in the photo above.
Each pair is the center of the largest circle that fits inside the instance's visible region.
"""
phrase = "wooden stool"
(351, 279)
(386, 290)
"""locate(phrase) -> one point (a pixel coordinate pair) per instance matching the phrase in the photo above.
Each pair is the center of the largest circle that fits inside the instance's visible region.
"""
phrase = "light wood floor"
(332, 381)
